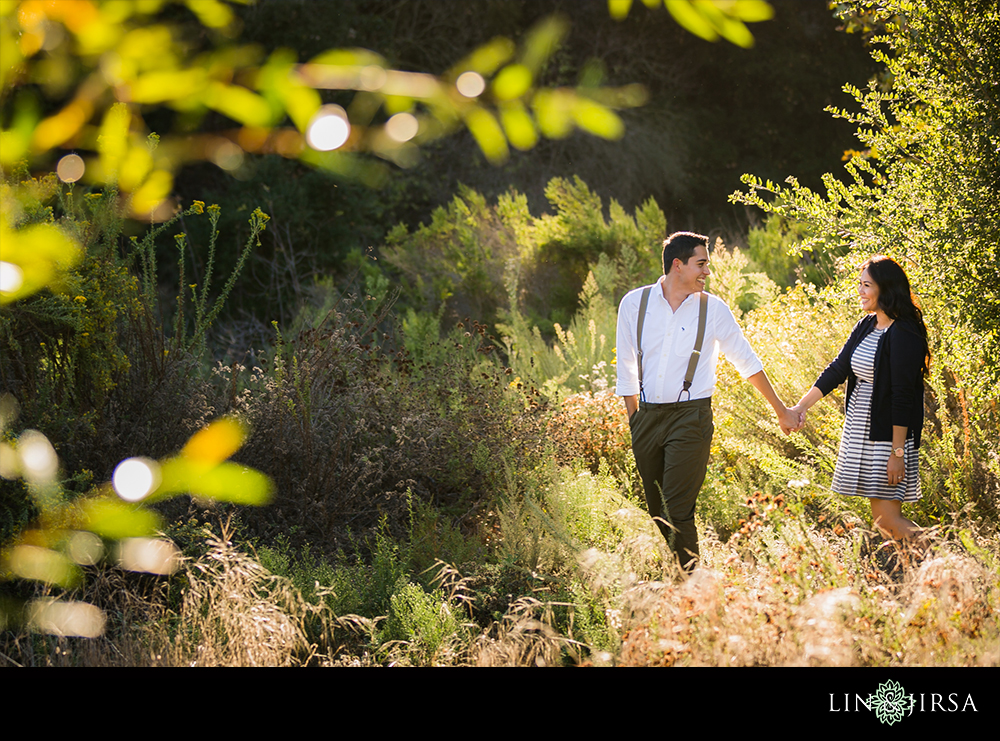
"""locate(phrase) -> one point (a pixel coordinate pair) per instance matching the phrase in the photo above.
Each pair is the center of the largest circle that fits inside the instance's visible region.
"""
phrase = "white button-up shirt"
(667, 343)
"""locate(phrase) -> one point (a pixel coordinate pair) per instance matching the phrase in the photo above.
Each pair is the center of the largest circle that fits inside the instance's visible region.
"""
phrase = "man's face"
(691, 275)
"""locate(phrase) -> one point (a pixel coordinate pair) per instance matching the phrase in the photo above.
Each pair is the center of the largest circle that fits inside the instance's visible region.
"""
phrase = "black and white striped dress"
(861, 463)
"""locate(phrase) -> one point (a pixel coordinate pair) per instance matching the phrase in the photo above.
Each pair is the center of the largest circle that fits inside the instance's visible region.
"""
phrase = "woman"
(883, 362)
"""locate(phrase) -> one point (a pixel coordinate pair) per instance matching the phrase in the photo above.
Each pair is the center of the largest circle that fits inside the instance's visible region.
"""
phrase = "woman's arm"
(906, 359)
(808, 399)
(896, 469)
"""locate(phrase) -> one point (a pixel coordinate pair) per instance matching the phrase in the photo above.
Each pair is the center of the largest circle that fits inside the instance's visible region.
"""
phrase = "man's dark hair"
(681, 245)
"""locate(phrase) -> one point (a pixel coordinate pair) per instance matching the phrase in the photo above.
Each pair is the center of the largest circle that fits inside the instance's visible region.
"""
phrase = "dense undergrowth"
(450, 497)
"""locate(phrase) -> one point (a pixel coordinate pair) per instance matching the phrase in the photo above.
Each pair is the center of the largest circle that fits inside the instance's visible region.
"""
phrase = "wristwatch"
(898, 452)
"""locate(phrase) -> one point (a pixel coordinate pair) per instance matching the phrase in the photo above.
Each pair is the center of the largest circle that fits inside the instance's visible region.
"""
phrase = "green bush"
(776, 248)
(485, 261)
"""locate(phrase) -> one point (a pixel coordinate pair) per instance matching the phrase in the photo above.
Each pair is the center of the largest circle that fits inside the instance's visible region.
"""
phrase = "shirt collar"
(659, 292)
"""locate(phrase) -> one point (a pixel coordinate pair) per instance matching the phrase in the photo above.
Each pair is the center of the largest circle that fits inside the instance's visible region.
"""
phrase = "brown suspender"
(699, 339)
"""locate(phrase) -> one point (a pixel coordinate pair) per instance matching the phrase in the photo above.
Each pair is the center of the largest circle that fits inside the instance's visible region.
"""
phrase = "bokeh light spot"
(135, 478)
(11, 277)
(227, 155)
(39, 461)
(402, 127)
(70, 168)
(329, 128)
(85, 548)
(149, 555)
(372, 77)
(470, 84)
(60, 618)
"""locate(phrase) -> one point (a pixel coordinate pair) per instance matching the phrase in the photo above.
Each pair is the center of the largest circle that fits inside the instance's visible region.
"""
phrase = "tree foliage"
(924, 187)
(707, 19)
(65, 65)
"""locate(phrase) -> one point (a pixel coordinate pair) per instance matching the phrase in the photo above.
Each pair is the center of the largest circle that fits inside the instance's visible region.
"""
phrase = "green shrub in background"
(89, 362)
(351, 425)
(484, 261)
(731, 280)
(582, 356)
(776, 249)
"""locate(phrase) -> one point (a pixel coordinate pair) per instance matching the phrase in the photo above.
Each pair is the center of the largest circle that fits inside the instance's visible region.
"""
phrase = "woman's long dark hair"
(897, 300)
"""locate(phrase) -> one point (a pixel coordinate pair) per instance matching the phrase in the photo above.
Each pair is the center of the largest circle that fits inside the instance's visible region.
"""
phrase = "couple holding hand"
(668, 342)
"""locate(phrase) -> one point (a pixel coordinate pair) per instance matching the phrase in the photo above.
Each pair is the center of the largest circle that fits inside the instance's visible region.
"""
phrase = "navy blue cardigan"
(898, 388)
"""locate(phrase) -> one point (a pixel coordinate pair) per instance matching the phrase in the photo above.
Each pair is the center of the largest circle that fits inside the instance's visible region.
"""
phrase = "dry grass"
(785, 594)
(856, 608)
(223, 609)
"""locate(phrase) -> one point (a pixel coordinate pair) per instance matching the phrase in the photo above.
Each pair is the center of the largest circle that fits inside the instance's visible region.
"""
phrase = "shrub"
(351, 426)
(89, 361)
(487, 260)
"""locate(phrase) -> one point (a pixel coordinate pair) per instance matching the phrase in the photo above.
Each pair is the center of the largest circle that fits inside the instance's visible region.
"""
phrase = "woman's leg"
(887, 515)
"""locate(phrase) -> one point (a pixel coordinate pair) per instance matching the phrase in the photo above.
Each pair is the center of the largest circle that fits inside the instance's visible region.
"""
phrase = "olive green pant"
(671, 443)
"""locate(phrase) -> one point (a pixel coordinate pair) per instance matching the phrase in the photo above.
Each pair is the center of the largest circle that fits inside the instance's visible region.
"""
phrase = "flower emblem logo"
(890, 702)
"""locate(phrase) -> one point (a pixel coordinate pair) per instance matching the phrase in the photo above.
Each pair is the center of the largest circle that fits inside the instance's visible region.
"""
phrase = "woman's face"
(868, 291)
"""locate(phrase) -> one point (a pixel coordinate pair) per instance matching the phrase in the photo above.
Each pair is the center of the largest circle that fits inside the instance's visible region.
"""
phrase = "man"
(670, 415)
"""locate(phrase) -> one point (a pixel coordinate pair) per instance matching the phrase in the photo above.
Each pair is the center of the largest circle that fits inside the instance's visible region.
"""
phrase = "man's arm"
(627, 369)
(788, 420)
(631, 404)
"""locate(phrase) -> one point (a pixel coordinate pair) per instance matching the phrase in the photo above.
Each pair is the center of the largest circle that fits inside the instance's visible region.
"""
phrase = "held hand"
(799, 410)
(789, 420)
(895, 470)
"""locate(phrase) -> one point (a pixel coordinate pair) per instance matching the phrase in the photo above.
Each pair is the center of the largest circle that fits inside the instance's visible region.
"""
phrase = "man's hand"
(631, 405)
(790, 420)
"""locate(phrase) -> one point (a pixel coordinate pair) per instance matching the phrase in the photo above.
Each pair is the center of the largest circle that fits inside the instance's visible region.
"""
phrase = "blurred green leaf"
(542, 41)
(627, 96)
(152, 192)
(728, 27)
(597, 119)
(518, 124)
(161, 87)
(282, 89)
(225, 482)
(554, 112)
(112, 142)
(114, 519)
(488, 58)
(239, 104)
(42, 564)
(752, 11)
(488, 134)
(16, 141)
(40, 252)
(349, 57)
(513, 81)
(211, 13)
(397, 104)
(710, 19)
(691, 19)
(618, 9)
